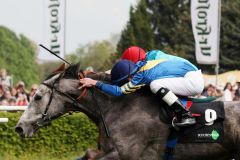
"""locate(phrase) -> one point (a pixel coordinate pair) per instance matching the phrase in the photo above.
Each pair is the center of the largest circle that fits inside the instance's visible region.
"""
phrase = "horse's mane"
(72, 72)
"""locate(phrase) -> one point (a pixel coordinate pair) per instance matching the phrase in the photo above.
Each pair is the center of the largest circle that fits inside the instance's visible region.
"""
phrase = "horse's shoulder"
(141, 98)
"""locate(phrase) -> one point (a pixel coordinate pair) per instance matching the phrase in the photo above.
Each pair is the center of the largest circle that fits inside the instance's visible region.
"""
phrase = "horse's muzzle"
(25, 130)
(20, 131)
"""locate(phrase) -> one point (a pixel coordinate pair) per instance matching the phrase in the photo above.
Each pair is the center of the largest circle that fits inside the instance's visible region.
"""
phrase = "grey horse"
(136, 133)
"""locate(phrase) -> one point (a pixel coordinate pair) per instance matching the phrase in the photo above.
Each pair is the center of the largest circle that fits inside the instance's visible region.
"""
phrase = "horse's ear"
(60, 68)
(72, 71)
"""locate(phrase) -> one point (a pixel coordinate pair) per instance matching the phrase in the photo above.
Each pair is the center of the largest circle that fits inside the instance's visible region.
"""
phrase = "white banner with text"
(205, 15)
(54, 29)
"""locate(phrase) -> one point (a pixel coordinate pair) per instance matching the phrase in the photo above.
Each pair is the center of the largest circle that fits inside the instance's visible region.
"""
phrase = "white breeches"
(189, 85)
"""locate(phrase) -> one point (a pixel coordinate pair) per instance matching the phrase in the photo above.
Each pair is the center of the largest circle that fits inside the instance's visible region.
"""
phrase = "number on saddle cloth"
(209, 127)
(207, 114)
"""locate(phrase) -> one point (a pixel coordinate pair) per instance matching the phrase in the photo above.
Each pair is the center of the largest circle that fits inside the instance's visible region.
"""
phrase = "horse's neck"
(96, 103)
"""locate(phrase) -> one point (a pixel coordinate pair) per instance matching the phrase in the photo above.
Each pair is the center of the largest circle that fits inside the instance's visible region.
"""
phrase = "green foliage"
(100, 55)
(230, 35)
(42, 156)
(18, 56)
(170, 25)
(138, 31)
(65, 135)
(166, 28)
(95, 54)
(48, 67)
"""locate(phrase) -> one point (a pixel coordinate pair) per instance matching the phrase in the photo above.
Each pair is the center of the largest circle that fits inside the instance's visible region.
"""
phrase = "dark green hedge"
(69, 134)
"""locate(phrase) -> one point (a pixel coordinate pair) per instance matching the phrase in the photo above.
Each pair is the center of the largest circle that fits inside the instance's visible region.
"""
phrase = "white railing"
(3, 120)
(10, 108)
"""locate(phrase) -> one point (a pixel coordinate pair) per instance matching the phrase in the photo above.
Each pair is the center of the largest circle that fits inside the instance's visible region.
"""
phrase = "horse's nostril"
(19, 130)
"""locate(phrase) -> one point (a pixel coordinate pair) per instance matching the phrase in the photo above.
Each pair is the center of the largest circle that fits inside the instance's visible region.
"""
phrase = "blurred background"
(101, 30)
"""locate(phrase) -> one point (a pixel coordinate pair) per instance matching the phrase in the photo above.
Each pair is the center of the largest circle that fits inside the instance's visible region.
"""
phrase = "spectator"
(33, 91)
(5, 80)
(228, 92)
(12, 101)
(1, 92)
(7, 95)
(209, 91)
(219, 93)
(4, 102)
(13, 92)
(21, 89)
(237, 92)
(22, 100)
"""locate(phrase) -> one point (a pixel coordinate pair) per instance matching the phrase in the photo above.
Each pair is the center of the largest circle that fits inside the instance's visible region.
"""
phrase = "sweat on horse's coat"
(133, 121)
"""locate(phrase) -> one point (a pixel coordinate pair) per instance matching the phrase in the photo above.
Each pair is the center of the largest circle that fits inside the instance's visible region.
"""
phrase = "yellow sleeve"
(129, 87)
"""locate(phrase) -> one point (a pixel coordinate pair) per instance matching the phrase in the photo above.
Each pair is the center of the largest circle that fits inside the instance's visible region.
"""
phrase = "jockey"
(157, 54)
(166, 76)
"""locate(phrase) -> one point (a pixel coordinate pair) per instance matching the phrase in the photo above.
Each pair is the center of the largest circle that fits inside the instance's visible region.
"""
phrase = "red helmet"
(134, 54)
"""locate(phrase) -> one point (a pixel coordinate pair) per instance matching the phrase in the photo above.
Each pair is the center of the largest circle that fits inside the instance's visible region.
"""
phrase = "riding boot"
(182, 116)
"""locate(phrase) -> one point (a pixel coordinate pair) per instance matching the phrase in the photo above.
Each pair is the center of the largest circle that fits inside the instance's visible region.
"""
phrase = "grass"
(42, 156)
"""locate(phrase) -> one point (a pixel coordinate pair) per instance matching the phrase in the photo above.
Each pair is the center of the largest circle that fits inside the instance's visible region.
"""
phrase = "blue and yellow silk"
(149, 71)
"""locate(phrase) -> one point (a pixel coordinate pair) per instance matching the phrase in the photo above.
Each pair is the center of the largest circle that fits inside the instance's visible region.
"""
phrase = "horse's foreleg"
(109, 156)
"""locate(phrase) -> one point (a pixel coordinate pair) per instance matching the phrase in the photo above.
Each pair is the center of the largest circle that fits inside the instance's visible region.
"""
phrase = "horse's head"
(55, 96)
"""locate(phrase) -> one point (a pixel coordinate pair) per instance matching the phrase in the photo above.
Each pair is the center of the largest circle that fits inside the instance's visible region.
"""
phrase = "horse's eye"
(37, 96)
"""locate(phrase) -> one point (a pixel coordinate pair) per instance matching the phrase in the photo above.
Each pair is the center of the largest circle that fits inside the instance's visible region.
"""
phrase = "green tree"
(172, 26)
(171, 22)
(138, 30)
(18, 56)
(160, 25)
(48, 67)
(230, 35)
(95, 54)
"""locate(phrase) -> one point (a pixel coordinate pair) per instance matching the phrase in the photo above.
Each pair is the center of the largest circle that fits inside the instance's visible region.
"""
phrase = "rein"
(84, 93)
(53, 88)
(75, 102)
(82, 75)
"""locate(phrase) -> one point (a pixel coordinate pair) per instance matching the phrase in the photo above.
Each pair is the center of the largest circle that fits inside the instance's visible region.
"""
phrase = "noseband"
(53, 88)
(75, 102)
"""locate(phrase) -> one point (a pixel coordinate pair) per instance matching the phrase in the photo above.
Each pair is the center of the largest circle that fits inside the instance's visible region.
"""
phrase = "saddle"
(209, 115)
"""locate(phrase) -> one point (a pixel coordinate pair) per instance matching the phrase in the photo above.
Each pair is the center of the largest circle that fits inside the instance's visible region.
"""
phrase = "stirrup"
(173, 123)
(188, 122)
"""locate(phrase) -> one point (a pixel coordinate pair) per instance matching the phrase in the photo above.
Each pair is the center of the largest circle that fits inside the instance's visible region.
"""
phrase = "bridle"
(53, 88)
(75, 101)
